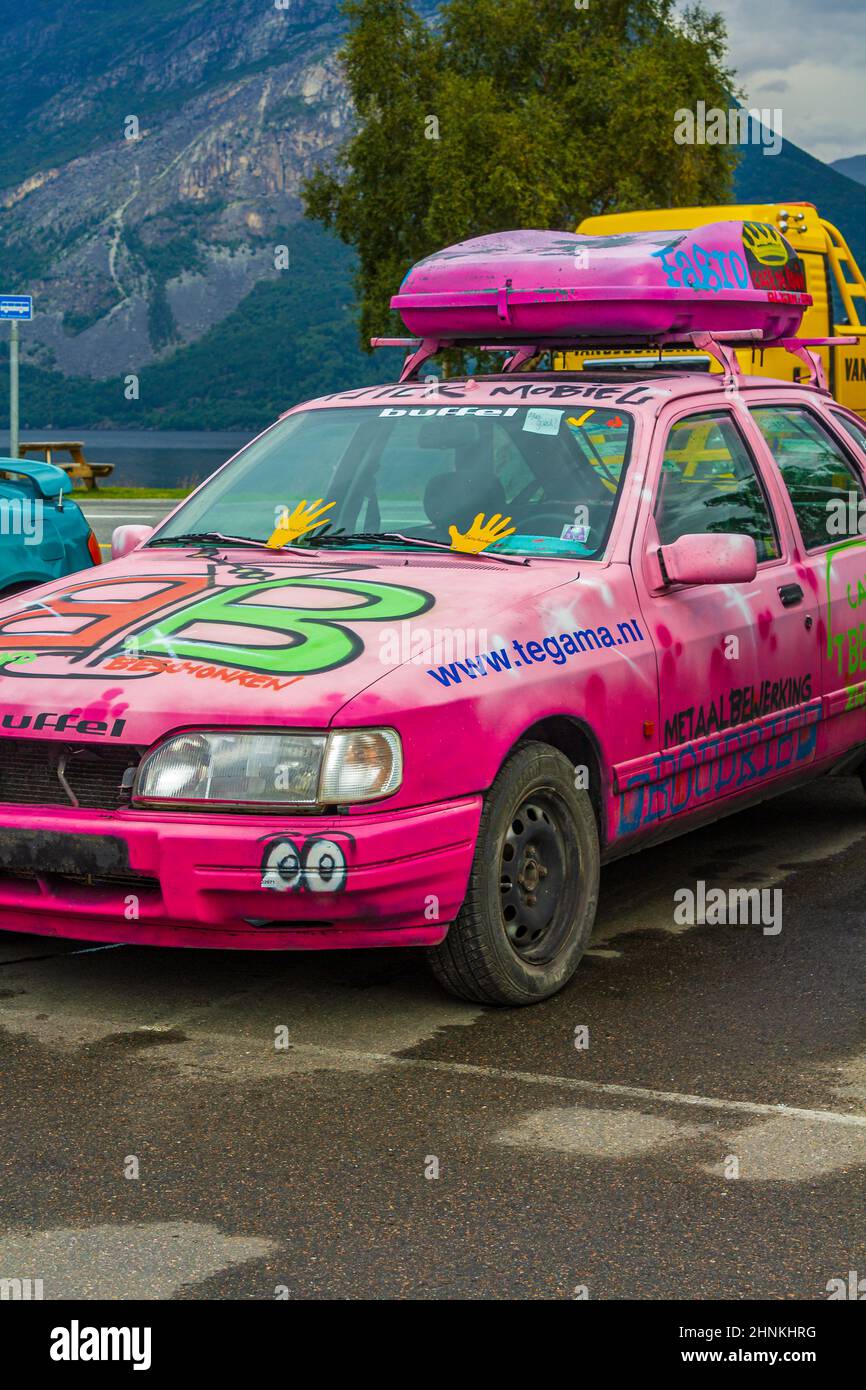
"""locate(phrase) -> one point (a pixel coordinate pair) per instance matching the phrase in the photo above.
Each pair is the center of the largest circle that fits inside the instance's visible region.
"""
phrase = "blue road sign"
(16, 306)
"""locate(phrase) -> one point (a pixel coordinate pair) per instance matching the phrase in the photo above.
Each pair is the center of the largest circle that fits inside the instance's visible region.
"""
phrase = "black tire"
(518, 938)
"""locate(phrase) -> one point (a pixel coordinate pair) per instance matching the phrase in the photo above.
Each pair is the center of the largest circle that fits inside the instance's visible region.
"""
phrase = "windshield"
(423, 474)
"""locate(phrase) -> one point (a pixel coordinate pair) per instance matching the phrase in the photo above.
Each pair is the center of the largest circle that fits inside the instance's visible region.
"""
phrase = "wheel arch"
(20, 586)
(578, 742)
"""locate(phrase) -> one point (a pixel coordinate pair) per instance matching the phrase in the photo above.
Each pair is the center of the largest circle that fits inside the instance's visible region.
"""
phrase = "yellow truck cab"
(833, 279)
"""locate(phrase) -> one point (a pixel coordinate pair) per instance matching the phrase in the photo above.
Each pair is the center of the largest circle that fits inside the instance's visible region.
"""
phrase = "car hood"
(164, 639)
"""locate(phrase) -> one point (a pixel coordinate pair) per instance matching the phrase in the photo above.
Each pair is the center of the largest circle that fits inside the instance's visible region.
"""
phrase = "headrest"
(448, 432)
(457, 498)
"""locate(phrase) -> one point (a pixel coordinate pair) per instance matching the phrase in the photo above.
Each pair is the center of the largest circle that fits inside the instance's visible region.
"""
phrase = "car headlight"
(235, 768)
(361, 765)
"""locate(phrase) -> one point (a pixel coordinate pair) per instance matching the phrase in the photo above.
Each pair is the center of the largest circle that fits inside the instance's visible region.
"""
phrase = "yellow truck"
(833, 279)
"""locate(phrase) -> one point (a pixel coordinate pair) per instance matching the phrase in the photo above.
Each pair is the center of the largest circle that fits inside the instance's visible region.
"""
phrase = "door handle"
(790, 594)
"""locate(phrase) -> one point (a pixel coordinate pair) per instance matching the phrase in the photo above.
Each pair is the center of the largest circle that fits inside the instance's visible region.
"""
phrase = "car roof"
(527, 388)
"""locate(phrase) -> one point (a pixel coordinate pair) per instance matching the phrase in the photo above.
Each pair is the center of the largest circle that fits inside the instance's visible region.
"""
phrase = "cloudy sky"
(807, 58)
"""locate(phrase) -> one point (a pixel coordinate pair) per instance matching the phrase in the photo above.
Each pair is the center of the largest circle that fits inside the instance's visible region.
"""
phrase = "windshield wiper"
(217, 538)
(373, 536)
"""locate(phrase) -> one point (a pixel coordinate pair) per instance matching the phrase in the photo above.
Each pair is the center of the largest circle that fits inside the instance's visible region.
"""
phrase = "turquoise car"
(43, 534)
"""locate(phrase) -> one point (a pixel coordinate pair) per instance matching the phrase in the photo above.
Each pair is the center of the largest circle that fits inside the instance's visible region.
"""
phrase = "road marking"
(58, 955)
(89, 950)
(604, 1088)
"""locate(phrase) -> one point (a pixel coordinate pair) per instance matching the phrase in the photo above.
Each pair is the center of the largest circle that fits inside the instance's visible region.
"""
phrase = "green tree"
(378, 200)
(513, 113)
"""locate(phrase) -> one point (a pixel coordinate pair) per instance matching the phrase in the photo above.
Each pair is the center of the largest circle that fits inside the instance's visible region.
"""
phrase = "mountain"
(853, 168)
(795, 176)
(151, 157)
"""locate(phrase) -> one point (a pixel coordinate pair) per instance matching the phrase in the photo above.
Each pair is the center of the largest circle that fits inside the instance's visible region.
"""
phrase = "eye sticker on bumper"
(281, 867)
(319, 865)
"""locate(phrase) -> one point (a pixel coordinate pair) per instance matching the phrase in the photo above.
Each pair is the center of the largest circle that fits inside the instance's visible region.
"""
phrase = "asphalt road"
(105, 515)
(310, 1170)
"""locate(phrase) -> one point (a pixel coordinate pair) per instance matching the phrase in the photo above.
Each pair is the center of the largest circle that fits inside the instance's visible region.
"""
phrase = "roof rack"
(720, 346)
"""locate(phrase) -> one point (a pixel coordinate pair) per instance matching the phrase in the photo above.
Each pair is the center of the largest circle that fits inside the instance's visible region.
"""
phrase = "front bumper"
(239, 882)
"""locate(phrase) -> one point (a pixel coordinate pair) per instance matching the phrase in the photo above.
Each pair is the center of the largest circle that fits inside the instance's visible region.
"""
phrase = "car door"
(824, 482)
(739, 664)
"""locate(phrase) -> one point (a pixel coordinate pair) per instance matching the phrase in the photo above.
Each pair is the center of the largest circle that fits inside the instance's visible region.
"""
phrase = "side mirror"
(126, 538)
(709, 559)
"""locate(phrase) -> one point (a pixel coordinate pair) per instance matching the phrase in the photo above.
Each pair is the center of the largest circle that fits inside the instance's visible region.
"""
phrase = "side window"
(854, 428)
(709, 484)
(820, 478)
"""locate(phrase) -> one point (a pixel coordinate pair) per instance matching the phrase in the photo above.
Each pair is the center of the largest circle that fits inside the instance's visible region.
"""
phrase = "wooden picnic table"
(77, 467)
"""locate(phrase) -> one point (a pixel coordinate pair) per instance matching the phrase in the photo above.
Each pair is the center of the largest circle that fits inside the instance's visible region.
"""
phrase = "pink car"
(422, 657)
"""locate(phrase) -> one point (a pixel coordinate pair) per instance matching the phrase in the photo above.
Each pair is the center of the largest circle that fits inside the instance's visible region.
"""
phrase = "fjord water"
(149, 458)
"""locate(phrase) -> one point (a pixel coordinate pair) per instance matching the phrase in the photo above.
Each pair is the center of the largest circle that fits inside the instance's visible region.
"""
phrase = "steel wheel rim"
(536, 897)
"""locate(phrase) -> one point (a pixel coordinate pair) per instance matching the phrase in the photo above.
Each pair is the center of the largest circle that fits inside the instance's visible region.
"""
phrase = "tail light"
(93, 548)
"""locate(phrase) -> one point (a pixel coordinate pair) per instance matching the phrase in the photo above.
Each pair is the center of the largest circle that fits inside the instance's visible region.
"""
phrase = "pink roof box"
(721, 278)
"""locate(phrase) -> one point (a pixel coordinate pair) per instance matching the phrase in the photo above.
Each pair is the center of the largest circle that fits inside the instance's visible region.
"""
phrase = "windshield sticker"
(303, 519)
(575, 533)
(481, 534)
(541, 421)
(390, 412)
(194, 619)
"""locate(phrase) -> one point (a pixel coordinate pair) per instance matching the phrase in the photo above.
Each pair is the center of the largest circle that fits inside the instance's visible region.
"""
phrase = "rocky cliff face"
(150, 156)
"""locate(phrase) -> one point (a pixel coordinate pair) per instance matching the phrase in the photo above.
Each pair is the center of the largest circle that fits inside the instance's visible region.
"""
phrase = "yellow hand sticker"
(302, 519)
(481, 534)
